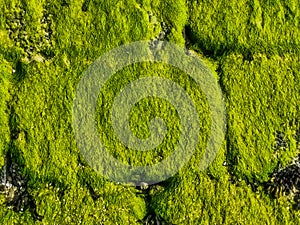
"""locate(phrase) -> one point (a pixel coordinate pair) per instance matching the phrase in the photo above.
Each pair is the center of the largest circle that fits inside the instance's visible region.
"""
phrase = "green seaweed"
(252, 47)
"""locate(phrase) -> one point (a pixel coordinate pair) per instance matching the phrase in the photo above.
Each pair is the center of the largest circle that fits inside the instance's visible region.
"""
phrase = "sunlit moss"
(253, 50)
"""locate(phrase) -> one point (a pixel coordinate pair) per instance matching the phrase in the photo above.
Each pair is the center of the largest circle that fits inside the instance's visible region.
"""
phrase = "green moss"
(5, 84)
(254, 53)
(262, 99)
(197, 199)
(146, 110)
(113, 204)
(219, 27)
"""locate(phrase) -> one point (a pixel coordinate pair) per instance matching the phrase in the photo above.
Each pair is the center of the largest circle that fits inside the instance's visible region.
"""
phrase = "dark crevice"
(14, 186)
(85, 178)
(280, 141)
(162, 37)
(85, 5)
(289, 14)
(247, 55)
(151, 217)
(65, 3)
(146, 191)
(230, 157)
(286, 182)
(208, 49)
(93, 194)
(20, 72)
(211, 50)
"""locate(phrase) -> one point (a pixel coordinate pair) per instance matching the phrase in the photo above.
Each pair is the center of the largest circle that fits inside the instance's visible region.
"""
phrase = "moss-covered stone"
(252, 47)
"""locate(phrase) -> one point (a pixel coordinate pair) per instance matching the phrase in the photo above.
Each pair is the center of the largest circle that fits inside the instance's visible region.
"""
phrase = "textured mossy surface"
(252, 47)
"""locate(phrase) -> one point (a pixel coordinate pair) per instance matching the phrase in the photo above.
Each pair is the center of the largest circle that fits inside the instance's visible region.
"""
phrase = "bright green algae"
(251, 46)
